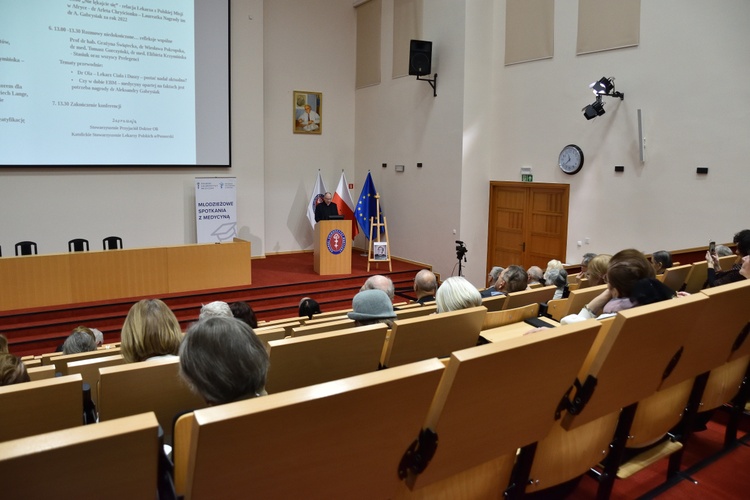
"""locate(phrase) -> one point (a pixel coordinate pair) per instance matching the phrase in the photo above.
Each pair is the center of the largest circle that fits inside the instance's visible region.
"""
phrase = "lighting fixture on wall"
(601, 88)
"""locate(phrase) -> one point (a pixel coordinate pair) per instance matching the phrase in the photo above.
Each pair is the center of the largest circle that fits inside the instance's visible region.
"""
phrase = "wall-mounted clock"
(570, 159)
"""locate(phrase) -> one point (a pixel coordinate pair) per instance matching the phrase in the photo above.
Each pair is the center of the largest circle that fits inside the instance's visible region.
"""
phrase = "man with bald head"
(380, 282)
(323, 211)
(425, 286)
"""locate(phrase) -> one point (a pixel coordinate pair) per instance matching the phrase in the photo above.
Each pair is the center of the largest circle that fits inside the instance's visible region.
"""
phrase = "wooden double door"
(528, 224)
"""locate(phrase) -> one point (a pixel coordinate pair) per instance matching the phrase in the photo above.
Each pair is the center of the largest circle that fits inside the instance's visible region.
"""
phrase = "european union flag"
(367, 206)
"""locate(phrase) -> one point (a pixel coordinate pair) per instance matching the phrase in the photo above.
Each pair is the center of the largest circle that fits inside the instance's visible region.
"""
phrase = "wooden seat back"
(118, 458)
(326, 315)
(493, 319)
(89, 371)
(280, 321)
(61, 362)
(498, 397)
(314, 359)
(628, 360)
(155, 386)
(31, 363)
(47, 357)
(317, 320)
(584, 283)
(269, 334)
(494, 303)
(328, 326)
(675, 277)
(275, 327)
(579, 298)
(725, 380)
(40, 372)
(40, 406)
(533, 296)
(331, 440)
(647, 337)
(416, 312)
(436, 335)
(696, 277)
(716, 329)
(726, 262)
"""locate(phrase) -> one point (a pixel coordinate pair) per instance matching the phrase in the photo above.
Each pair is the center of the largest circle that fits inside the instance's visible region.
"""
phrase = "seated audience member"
(380, 282)
(3, 344)
(559, 278)
(243, 311)
(745, 267)
(308, 307)
(723, 251)
(12, 370)
(596, 272)
(661, 260)
(223, 360)
(512, 279)
(718, 277)
(457, 293)
(494, 275)
(587, 257)
(81, 340)
(150, 331)
(214, 309)
(370, 307)
(98, 336)
(425, 286)
(630, 282)
(536, 276)
(554, 264)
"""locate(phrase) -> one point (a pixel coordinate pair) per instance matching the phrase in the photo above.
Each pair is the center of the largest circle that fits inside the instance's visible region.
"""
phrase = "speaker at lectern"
(333, 247)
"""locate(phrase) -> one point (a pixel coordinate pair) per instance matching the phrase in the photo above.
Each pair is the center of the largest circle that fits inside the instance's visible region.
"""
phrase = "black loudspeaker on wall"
(420, 58)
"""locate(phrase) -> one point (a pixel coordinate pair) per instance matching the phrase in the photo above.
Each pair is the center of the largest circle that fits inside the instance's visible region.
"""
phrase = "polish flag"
(343, 200)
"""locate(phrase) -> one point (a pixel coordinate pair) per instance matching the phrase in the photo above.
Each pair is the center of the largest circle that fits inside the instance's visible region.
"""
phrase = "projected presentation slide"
(100, 83)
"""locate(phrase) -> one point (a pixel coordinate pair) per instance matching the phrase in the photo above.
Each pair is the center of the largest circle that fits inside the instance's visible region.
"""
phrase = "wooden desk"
(43, 280)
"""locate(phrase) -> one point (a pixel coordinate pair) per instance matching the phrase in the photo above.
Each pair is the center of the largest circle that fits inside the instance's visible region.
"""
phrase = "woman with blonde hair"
(457, 293)
(151, 331)
(597, 269)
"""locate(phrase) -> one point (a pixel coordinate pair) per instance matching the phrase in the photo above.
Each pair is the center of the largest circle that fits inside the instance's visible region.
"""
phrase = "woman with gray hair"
(223, 360)
(457, 293)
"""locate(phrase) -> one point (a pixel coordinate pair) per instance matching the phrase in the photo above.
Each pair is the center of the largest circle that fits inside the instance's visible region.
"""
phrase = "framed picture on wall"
(307, 112)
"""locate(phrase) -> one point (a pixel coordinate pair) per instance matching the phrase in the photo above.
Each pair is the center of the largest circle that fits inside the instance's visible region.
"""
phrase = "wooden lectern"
(333, 247)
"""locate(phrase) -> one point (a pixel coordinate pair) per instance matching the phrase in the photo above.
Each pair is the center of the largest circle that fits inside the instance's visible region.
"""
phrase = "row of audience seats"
(557, 395)
(74, 245)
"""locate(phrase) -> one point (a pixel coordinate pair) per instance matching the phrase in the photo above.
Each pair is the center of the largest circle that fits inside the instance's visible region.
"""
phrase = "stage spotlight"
(595, 109)
(603, 86)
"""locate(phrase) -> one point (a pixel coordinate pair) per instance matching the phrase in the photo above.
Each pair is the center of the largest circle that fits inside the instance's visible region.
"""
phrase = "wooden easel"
(375, 222)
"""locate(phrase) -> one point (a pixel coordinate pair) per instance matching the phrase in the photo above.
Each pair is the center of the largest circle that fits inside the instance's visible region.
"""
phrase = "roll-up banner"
(215, 209)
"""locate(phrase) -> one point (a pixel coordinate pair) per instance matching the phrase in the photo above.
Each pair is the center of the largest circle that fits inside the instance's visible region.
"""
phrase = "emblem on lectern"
(336, 241)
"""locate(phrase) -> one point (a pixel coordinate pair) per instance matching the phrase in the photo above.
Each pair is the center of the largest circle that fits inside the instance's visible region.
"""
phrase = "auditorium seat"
(112, 243)
(78, 245)
(340, 439)
(526, 297)
(156, 386)
(26, 248)
(40, 406)
(314, 359)
(116, 459)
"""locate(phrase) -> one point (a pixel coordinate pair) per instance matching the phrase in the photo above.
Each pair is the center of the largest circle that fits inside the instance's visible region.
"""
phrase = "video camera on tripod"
(461, 252)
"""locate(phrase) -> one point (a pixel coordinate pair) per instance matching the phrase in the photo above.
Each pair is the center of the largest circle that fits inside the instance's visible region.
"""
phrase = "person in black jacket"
(323, 211)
